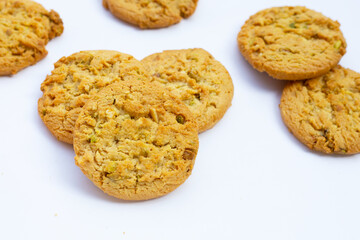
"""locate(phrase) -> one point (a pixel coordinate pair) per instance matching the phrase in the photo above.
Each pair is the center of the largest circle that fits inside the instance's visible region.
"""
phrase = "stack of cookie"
(135, 124)
(320, 105)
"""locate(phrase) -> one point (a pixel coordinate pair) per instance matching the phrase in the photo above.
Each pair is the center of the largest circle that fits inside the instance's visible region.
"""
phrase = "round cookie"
(291, 43)
(151, 13)
(74, 79)
(25, 29)
(324, 112)
(199, 80)
(135, 140)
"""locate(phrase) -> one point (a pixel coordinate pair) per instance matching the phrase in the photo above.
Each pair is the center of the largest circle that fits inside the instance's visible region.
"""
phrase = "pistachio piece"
(110, 167)
(337, 44)
(180, 119)
(92, 139)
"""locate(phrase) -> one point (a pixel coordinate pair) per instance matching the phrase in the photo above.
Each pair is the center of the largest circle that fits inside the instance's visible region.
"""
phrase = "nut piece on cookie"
(25, 30)
(291, 43)
(74, 79)
(151, 13)
(129, 142)
(199, 80)
(324, 112)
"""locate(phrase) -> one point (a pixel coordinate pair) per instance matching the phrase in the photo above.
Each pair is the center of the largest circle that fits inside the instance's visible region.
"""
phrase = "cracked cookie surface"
(74, 79)
(199, 80)
(291, 43)
(25, 29)
(135, 140)
(151, 13)
(324, 112)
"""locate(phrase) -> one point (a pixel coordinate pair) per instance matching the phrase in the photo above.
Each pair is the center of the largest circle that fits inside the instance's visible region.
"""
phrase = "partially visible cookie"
(291, 43)
(324, 112)
(25, 29)
(135, 140)
(151, 13)
(199, 80)
(74, 79)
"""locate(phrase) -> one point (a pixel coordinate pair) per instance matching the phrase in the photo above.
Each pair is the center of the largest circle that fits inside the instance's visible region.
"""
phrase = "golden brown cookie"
(324, 112)
(199, 80)
(74, 79)
(25, 29)
(151, 13)
(291, 43)
(135, 140)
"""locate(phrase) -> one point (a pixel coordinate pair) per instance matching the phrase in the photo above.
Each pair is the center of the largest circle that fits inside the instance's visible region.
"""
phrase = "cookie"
(199, 80)
(151, 13)
(291, 43)
(74, 79)
(324, 112)
(135, 140)
(25, 28)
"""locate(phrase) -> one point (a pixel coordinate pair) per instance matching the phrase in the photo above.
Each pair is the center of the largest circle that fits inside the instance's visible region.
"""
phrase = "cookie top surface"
(135, 140)
(74, 79)
(324, 112)
(199, 80)
(151, 13)
(25, 28)
(291, 43)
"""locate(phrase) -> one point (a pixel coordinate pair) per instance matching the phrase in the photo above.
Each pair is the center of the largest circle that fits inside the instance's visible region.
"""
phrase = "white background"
(252, 179)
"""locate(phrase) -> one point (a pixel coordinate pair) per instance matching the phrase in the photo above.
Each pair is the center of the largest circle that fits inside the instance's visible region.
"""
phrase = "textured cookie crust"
(291, 43)
(25, 29)
(135, 141)
(151, 13)
(324, 112)
(74, 79)
(194, 76)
